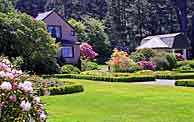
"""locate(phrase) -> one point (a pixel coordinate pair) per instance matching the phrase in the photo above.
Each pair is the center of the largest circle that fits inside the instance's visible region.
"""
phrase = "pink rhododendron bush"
(147, 65)
(87, 51)
(87, 55)
(17, 103)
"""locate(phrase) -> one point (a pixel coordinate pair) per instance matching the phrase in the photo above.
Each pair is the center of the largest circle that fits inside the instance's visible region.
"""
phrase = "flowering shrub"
(179, 57)
(120, 62)
(87, 51)
(147, 65)
(17, 102)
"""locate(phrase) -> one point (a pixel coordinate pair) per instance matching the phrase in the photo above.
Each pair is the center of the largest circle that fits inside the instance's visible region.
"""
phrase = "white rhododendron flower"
(26, 106)
(6, 86)
(26, 86)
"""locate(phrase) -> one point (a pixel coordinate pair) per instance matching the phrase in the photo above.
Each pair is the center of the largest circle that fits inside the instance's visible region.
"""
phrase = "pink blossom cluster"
(87, 51)
(26, 86)
(179, 57)
(18, 94)
(147, 65)
(6, 71)
(10, 95)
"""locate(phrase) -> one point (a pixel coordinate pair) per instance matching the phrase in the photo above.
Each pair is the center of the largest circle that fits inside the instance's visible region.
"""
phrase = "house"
(64, 33)
(176, 42)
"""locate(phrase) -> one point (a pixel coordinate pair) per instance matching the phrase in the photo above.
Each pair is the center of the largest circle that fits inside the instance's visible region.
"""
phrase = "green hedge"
(186, 71)
(175, 76)
(129, 77)
(66, 89)
(185, 82)
(132, 78)
(183, 63)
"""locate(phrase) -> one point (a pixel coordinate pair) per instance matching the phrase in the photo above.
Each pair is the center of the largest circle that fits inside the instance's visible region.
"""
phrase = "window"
(55, 31)
(67, 52)
(73, 33)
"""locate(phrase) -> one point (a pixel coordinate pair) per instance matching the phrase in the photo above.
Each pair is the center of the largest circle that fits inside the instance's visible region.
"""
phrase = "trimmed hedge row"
(66, 89)
(183, 63)
(109, 79)
(185, 82)
(128, 78)
(186, 71)
(175, 76)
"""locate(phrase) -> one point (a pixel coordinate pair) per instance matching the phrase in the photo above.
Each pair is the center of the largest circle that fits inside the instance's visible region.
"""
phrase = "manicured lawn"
(122, 102)
(102, 66)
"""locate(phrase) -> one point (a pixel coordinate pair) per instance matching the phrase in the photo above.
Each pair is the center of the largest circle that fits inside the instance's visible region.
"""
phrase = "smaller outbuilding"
(176, 42)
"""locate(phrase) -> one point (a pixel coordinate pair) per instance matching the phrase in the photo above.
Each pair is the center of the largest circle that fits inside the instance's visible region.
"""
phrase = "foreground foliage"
(17, 103)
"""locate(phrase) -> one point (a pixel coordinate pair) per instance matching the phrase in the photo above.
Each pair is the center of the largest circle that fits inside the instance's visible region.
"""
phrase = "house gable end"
(66, 29)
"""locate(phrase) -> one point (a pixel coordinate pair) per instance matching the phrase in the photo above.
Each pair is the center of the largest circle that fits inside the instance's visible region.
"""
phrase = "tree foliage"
(93, 32)
(20, 35)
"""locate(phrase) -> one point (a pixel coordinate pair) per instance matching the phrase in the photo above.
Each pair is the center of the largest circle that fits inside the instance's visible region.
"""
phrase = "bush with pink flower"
(17, 102)
(87, 55)
(179, 57)
(87, 51)
(147, 65)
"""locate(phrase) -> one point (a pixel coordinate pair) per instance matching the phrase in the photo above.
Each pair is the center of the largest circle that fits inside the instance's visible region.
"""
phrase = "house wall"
(76, 56)
(55, 19)
(181, 42)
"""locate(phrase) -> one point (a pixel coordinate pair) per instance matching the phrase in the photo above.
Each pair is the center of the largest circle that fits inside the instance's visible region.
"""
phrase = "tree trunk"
(181, 9)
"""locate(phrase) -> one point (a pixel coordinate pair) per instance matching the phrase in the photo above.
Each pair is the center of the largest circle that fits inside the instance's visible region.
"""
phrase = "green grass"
(102, 66)
(122, 102)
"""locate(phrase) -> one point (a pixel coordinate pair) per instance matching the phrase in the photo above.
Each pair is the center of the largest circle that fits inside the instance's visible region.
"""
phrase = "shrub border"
(185, 82)
(130, 78)
(109, 79)
(175, 76)
(66, 89)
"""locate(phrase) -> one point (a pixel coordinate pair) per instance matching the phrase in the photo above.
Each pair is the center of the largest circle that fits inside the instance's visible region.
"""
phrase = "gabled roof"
(154, 42)
(163, 36)
(174, 40)
(42, 16)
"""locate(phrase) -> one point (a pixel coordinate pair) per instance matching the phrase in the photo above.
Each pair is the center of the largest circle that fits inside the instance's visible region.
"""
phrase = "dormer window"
(55, 31)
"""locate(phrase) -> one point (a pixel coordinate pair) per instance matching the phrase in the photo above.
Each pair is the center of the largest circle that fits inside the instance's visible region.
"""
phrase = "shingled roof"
(153, 43)
(173, 41)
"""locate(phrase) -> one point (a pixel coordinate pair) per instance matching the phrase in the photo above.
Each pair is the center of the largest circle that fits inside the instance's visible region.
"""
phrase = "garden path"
(162, 82)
